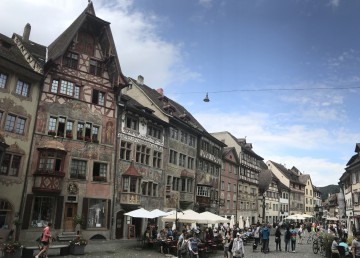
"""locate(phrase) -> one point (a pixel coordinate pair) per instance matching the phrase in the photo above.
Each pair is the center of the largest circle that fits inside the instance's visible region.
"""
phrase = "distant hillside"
(325, 190)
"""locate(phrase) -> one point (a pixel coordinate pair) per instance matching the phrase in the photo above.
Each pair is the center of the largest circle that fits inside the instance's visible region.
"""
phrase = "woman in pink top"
(45, 240)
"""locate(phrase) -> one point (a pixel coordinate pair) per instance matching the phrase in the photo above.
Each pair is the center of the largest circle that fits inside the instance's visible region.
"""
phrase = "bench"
(28, 251)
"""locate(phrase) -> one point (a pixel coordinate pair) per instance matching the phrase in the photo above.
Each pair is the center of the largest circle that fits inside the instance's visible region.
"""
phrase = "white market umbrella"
(307, 216)
(140, 213)
(211, 218)
(247, 223)
(232, 221)
(332, 218)
(158, 213)
(295, 217)
(241, 222)
(187, 216)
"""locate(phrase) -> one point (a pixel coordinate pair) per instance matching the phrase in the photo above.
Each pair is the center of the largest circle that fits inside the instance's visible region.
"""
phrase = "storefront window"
(43, 211)
(97, 213)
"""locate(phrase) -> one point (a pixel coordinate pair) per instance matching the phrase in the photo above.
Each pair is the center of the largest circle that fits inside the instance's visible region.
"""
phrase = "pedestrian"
(180, 242)
(355, 245)
(257, 235)
(193, 245)
(278, 238)
(265, 235)
(183, 249)
(293, 238)
(226, 243)
(287, 238)
(45, 240)
(238, 247)
(300, 234)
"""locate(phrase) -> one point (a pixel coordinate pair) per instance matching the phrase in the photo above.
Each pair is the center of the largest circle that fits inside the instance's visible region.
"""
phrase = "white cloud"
(295, 145)
(206, 3)
(334, 3)
(140, 47)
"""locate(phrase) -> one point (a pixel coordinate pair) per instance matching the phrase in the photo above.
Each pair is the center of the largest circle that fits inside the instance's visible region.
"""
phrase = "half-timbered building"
(73, 152)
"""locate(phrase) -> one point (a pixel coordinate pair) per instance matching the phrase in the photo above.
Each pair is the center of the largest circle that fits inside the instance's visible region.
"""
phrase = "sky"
(284, 73)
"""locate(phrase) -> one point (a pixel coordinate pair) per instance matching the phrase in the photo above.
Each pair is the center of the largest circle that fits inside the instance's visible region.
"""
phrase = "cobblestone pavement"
(131, 248)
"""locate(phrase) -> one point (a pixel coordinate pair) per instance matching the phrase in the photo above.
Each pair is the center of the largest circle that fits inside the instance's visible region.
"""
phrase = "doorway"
(70, 212)
(119, 232)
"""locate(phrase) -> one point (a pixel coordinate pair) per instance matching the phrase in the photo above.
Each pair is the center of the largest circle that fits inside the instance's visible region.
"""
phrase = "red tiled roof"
(132, 171)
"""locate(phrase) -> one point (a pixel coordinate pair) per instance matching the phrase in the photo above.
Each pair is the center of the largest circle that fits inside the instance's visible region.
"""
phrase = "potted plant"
(78, 220)
(11, 249)
(77, 246)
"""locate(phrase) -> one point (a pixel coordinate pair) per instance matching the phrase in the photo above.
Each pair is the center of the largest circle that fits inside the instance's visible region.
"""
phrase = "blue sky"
(264, 63)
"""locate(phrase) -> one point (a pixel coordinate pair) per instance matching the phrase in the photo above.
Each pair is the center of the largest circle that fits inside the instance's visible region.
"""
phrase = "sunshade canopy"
(140, 213)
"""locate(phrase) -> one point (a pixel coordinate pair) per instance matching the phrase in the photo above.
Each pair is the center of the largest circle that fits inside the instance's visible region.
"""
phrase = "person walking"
(257, 235)
(278, 238)
(293, 238)
(45, 240)
(265, 235)
(287, 238)
(180, 242)
(238, 247)
(300, 234)
(355, 245)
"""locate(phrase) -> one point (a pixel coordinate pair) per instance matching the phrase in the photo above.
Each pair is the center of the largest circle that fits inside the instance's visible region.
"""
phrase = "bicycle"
(311, 237)
(318, 245)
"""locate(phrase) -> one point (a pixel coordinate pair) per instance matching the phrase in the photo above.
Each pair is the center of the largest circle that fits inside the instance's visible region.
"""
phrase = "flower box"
(77, 249)
(77, 246)
(11, 249)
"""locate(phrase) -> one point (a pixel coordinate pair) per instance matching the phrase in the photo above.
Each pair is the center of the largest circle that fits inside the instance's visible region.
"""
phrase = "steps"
(66, 236)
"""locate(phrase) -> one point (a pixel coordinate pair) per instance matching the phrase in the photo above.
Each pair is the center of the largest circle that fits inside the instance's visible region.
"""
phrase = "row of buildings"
(78, 138)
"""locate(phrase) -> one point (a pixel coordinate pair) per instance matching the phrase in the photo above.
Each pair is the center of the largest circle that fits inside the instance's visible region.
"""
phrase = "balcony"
(129, 198)
(248, 179)
(186, 197)
(48, 182)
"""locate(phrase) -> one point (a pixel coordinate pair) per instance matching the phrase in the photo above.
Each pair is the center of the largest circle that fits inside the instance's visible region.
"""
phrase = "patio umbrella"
(140, 213)
(186, 216)
(295, 217)
(241, 222)
(247, 223)
(211, 218)
(232, 221)
(158, 213)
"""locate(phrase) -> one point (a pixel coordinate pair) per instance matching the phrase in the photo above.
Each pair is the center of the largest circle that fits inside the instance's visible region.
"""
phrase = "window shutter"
(85, 209)
(27, 211)
(109, 214)
(59, 212)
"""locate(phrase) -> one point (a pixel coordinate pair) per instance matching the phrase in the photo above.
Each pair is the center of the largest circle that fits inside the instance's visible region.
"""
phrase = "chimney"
(140, 79)
(26, 34)
(160, 91)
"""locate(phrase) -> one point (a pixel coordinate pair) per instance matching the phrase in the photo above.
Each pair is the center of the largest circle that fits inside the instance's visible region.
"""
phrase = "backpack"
(194, 245)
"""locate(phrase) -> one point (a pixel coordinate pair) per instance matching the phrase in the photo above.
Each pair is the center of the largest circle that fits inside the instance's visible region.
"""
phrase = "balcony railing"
(48, 181)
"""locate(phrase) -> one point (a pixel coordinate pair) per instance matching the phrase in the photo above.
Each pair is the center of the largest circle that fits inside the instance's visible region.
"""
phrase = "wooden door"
(70, 212)
(119, 233)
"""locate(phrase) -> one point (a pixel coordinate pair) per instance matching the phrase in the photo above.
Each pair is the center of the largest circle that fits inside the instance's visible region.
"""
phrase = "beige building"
(309, 201)
(20, 85)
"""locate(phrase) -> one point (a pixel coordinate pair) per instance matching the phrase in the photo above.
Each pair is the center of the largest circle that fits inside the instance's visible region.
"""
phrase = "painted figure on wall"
(109, 133)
